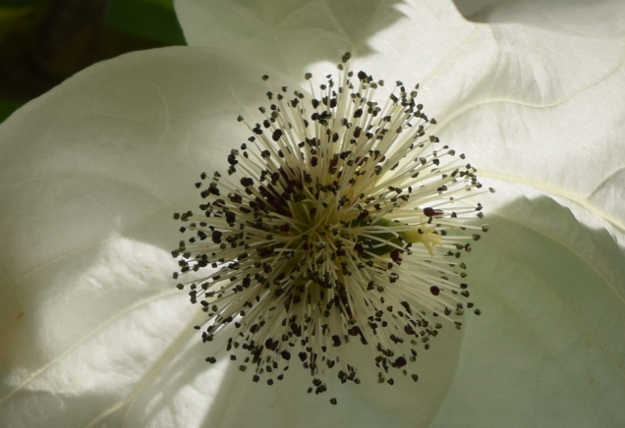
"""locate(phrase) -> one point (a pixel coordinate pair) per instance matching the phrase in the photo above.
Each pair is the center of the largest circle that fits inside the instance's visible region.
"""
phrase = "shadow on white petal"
(287, 35)
(548, 349)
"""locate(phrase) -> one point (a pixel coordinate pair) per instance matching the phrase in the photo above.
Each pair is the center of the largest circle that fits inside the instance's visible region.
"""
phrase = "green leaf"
(7, 107)
(152, 19)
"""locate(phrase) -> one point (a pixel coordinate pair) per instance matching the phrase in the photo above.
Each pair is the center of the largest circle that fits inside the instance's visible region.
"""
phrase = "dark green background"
(149, 19)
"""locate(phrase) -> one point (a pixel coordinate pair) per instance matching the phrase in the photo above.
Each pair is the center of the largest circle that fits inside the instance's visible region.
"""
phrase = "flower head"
(341, 218)
(94, 334)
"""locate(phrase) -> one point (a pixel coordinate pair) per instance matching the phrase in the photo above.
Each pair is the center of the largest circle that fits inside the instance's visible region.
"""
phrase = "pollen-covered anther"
(341, 219)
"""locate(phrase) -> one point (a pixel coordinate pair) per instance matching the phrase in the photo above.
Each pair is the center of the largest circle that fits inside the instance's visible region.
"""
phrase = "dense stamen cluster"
(340, 220)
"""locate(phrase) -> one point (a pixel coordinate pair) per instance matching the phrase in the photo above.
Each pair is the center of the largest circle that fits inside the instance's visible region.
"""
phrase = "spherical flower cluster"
(341, 219)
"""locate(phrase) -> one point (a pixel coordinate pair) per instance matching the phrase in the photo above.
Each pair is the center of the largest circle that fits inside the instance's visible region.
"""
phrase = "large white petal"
(91, 173)
(286, 35)
(539, 115)
(601, 17)
(291, 36)
(548, 349)
(93, 331)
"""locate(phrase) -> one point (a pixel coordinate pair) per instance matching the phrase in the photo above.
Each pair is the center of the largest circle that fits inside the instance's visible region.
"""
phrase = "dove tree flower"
(340, 217)
(95, 333)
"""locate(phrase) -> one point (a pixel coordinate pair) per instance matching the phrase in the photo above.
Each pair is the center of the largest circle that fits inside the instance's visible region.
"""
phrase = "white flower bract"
(340, 219)
(94, 332)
